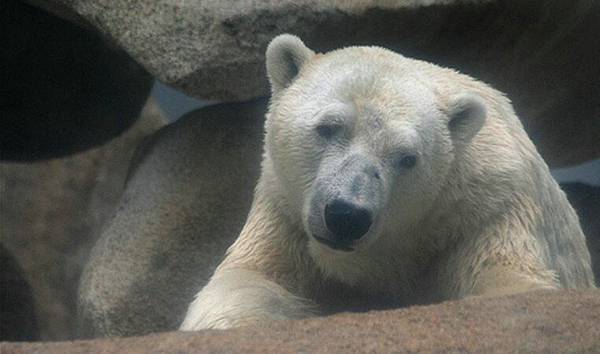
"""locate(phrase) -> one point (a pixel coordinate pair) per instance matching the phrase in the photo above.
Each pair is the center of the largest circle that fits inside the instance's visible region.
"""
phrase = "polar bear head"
(361, 140)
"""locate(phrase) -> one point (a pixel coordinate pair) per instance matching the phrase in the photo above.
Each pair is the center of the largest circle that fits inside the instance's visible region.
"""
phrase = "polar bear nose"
(347, 221)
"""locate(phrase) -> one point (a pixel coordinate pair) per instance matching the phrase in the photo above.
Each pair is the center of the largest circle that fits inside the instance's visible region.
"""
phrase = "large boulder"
(187, 199)
(51, 213)
(543, 54)
(64, 88)
(540, 322)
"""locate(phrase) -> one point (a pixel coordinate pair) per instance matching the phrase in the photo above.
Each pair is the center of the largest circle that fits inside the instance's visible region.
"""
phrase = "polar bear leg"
(503, 280)
(238, 297)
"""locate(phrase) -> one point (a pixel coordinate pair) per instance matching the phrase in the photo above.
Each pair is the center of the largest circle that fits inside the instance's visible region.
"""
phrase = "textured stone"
(547, 321)
(543, 54)
(50, 214)
(190, 190)
(64, 89)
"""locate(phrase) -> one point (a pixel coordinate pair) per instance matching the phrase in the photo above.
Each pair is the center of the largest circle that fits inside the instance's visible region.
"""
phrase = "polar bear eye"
(407, 161)
(328, 130)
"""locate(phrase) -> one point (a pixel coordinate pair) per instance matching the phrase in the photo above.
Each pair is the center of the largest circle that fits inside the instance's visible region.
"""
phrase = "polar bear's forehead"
(385, 86)
(364, 60)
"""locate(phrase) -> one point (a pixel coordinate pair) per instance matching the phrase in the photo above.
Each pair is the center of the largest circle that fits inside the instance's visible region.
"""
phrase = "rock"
(51, 214)
(543, 321)
(544, 55)
(64, 89)
(16, 302)
(190, 190)
(586, 201)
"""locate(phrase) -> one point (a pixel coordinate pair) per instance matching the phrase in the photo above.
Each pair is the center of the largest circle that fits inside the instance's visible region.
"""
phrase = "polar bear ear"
(467, 114)
(286, 54)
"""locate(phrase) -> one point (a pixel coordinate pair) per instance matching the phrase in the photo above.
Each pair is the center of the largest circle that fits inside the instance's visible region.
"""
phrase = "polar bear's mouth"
(334, 245)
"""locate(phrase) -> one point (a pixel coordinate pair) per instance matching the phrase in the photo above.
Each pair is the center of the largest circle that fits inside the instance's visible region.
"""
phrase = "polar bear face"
(360, 141)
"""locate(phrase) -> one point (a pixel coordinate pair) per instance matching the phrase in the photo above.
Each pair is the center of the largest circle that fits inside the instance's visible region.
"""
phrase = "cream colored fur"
(480, 216)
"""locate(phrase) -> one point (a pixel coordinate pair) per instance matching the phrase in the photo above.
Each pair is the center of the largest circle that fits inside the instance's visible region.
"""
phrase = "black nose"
(346, 221)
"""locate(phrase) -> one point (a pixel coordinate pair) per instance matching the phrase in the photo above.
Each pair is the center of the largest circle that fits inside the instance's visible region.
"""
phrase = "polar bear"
(388, 181)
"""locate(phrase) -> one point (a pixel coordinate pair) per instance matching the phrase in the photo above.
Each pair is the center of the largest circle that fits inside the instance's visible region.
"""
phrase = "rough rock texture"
(190, 190)
(544, 54)
(555, 322)
(586, 200)
(64, 89)
(50, 214)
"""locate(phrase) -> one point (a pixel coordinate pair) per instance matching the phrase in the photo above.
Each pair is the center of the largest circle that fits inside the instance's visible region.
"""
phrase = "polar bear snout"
(345, 204)
(347, 221)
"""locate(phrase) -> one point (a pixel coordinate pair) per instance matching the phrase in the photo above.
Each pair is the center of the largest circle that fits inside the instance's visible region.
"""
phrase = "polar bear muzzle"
(345, 202)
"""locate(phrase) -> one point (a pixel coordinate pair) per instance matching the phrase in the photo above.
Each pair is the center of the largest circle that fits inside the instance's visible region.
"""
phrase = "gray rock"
(544, 54)
(64, 88)
(187, 199)
(50, 215)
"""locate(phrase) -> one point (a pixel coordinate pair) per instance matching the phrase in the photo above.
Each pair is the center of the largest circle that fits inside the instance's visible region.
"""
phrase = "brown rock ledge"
(546, 321)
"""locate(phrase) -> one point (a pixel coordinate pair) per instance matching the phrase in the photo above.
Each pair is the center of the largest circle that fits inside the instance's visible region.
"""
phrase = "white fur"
(479, 215)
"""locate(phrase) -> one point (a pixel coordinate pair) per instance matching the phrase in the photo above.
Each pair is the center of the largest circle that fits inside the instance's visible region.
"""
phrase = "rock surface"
(50, 214)
(542, 54)
(189, 193)
(550, 321)
(64, 88)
